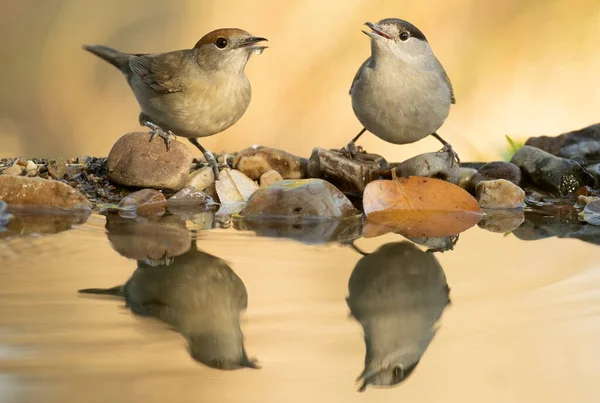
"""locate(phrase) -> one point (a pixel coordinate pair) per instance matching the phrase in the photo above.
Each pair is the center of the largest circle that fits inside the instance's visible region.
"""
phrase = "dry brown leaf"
(419, 207)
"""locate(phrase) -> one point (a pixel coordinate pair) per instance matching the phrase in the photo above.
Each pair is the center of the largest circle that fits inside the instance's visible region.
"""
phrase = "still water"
(225, 315)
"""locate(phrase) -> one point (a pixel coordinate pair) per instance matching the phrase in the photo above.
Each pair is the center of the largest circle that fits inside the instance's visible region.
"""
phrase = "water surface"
(521, 324)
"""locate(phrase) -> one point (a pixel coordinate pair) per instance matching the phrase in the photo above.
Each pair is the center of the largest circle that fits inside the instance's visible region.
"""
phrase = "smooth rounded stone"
(144, 239)
(145, 202)
(31, 167)
(302, 197)
(134, 161)
(202, 178)
(57, 167)
(548, 172)
(502, 221)
(583, 143)
(190, 196)
(256, 160)
(438, 165)
(465, 175)
(499, 194)
(498, 170)
(38, 191)
(269, 178)
(234, 187)
(14, 170)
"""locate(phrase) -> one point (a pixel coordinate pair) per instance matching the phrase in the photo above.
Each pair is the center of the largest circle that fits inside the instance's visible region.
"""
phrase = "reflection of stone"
(143, 239)
(552, 222)
(310, 231)
(436, 244)
(201, 297)
(502, 221)
(26, 220)
(398, 294)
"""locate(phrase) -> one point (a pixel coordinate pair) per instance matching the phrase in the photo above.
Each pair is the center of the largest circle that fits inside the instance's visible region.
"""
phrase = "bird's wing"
(446, 80)
(162, 72)
(358, 74)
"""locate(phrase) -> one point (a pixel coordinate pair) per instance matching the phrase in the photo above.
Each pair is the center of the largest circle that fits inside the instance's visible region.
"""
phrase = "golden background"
(518, 67)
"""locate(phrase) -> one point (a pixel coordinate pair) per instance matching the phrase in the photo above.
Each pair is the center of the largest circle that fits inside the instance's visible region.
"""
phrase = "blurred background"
(519, 68)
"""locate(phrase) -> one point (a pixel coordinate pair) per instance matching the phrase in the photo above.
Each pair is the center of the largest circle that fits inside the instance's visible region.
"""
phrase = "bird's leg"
(351, 149)
(210, 158)
(156, 130)
(447, 148)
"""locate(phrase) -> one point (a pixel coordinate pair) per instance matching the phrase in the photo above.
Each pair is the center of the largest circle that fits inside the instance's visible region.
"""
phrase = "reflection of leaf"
(591, 213)
(419, 207)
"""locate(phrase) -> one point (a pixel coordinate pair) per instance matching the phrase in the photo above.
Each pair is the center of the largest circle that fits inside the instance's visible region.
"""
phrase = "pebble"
(145, 202)
(57, 168)
(499, 194)
(256, 160)
(269, 178)
(438, 165)
(14, 170)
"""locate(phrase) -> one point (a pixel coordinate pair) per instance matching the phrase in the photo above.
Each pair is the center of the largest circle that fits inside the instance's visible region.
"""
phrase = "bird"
(190, 93)
(401, 93)
(398, 294)
(200, 296)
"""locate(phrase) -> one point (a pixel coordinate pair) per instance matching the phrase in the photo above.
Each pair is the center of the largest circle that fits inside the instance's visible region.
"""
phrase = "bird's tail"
(117, 291)
(118, 59)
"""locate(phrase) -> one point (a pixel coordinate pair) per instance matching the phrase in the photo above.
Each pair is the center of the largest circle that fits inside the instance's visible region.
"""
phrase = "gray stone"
(583, 143)
(255, 161)
(438, 165)
(347, 174)
(134, 161)
(301, 197)
(548, 172)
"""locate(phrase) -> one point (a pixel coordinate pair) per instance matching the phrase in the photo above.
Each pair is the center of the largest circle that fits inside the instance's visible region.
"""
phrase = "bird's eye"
(221, 43)
(404, 36)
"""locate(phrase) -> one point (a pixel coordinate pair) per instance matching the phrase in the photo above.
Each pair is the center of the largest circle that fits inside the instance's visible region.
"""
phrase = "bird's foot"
(157, 131)
(449, 150)
(351, 150)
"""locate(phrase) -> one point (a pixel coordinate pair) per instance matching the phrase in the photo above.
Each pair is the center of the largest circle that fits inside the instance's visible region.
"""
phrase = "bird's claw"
(449, 150)
(166, 136)
(351, 150)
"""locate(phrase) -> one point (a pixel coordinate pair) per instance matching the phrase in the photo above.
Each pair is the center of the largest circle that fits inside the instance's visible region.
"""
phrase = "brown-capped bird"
(193, 92)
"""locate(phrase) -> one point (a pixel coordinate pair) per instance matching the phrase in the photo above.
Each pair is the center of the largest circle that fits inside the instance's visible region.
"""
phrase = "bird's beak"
(250, 43)
(377, 32)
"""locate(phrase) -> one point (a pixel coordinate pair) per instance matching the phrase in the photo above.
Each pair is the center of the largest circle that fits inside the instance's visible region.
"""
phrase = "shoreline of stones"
(544, 171)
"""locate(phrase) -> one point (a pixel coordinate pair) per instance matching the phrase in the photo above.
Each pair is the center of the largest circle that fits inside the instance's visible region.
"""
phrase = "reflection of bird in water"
(201, 297)
(398, 294)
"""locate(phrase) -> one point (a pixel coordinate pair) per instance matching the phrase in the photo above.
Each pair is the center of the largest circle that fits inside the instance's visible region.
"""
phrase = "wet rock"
(145, 202)
(302, 197)
(135, 162)
(584, 143)
(190, 196)
(591, 213)
(499, 194)
(498, 170)
(438, 165)
(14, 170)
(23, 190)
(234, 187)
(201, 179)
(465, 175)
(255, 161)
(144, 239)
(57, 168)
(502, 221)
(348, 175)
(269, 178)
(554, 174)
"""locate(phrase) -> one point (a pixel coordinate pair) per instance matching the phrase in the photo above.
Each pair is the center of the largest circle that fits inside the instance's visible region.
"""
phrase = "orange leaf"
(420, 207)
